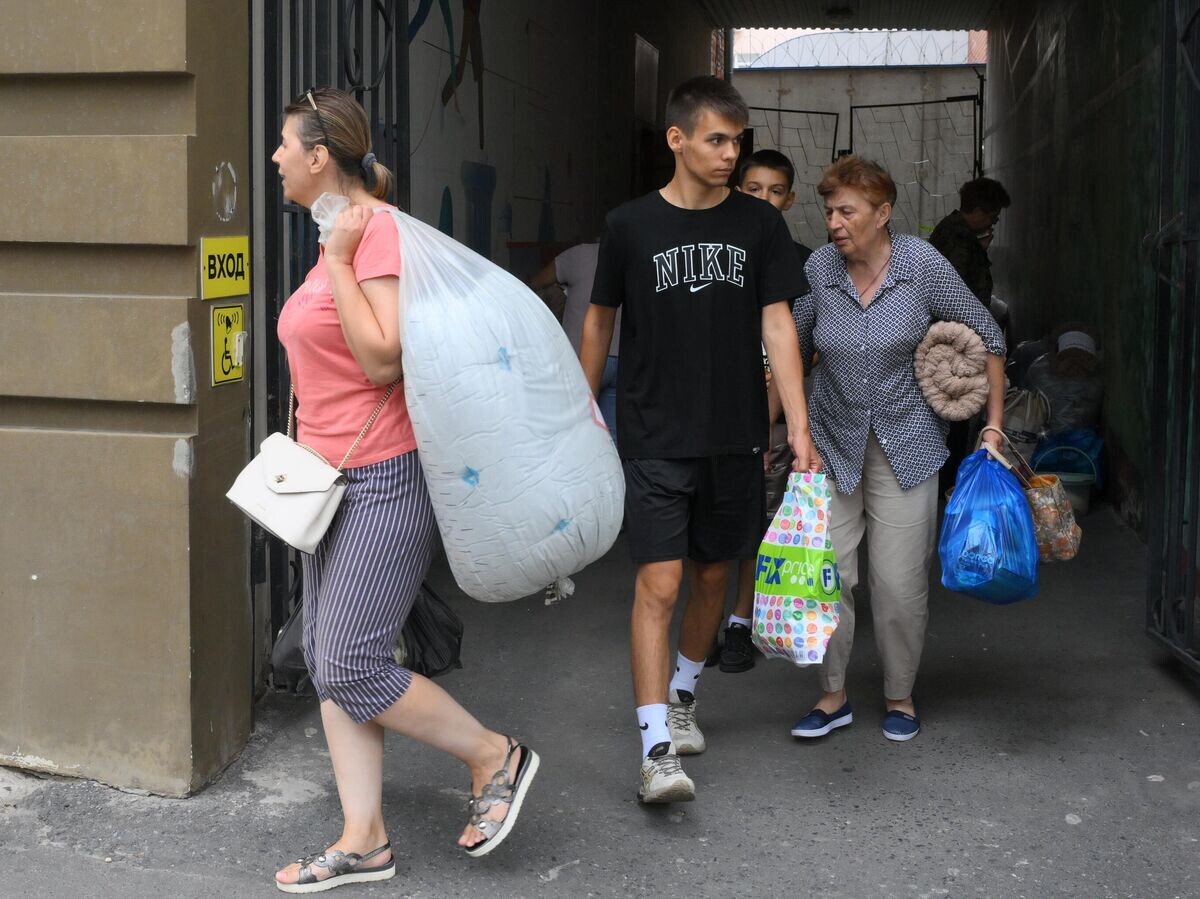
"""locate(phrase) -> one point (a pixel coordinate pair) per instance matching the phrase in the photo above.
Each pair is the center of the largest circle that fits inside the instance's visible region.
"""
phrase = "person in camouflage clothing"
(963, 237)
(965, 234)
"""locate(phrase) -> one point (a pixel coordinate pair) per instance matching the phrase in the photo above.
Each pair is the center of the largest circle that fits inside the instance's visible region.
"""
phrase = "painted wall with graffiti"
(520, 131)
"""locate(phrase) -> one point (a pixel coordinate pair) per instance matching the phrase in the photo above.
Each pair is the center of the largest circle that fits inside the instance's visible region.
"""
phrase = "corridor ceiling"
(933, 15)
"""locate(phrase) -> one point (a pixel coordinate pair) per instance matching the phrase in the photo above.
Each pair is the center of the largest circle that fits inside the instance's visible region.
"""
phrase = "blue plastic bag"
(987, 547)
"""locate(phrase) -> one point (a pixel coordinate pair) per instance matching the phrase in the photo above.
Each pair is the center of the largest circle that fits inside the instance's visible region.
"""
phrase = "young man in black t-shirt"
(703, 276)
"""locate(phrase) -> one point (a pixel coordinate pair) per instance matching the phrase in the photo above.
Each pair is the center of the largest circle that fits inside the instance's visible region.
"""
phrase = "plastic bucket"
(1078, 488)
(1077, 485)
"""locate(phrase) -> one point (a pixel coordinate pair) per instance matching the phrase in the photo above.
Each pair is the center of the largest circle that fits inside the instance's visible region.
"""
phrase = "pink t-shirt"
(334, 398)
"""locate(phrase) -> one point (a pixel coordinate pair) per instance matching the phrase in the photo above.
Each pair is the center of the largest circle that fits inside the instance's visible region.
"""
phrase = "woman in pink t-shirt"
(341, 330)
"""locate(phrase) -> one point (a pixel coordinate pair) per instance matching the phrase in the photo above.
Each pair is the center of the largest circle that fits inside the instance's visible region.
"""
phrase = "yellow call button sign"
(228, 343)
(224, 267)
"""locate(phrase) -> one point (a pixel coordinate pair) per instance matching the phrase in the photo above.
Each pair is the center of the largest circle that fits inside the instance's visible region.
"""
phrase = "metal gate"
(360, 46)
(1173, 477)
(808, 137)
(931, 147)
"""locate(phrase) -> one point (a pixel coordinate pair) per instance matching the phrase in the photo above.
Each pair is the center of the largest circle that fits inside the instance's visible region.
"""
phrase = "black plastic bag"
(778, 471)
(431, 641)
(288, 669)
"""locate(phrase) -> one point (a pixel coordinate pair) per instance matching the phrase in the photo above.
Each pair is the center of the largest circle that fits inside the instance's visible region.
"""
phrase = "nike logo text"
(696, 287)
(705, 262)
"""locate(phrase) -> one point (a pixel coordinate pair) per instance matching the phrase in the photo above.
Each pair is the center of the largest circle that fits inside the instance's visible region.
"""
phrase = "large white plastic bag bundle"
(525, 481)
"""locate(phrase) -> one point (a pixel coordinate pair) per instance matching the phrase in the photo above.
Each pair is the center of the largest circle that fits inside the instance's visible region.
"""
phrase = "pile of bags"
(1052, 410)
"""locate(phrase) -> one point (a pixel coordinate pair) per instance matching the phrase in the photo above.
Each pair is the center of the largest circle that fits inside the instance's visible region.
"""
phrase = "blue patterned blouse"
(865, 378)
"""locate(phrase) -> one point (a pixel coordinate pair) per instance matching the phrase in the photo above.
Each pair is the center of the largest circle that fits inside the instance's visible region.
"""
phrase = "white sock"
(652, 720)
(744, 622)
(687, 674)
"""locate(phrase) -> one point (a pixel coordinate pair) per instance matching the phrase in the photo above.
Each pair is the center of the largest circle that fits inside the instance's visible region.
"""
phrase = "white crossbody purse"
(290, 490)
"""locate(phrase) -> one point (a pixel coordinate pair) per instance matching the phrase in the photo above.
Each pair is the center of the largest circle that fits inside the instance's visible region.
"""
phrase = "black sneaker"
(738, 654)
(714, 655)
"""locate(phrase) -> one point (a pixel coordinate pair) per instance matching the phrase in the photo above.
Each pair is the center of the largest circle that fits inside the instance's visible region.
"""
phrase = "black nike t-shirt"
(804, 252)
(691, 284)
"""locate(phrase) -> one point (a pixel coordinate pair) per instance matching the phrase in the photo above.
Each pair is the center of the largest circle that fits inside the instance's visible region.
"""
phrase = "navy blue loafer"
(898, 726)
(817, 723)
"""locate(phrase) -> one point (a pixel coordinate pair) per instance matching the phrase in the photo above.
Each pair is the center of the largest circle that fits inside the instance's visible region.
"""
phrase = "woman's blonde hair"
(334, 119)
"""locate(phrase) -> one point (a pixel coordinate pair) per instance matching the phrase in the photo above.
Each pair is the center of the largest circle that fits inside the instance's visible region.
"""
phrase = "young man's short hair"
(987, 194)
(688, 100)
(767, 159)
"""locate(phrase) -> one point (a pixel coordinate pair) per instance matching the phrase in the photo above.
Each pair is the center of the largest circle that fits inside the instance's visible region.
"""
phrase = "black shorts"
(707, 509)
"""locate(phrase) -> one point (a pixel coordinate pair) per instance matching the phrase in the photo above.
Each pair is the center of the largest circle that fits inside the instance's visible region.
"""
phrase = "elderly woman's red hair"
(869, 178)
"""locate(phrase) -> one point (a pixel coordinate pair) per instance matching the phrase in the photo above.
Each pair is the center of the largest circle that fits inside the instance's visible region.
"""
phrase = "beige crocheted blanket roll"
(951, 367)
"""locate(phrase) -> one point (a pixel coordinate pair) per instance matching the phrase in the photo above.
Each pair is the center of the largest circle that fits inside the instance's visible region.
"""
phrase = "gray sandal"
(344, 867)
(502, 790)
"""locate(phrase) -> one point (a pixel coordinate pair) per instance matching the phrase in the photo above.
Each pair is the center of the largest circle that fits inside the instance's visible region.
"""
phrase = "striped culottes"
(360, 585)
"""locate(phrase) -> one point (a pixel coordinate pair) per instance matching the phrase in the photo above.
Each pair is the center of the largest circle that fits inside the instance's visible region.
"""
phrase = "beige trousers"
(901, 527)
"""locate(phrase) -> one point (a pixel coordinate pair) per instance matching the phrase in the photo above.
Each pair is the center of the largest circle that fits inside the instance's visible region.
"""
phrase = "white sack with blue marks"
(525, 481)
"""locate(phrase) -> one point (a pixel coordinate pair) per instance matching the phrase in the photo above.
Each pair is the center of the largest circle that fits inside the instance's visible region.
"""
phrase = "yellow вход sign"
(224, 267)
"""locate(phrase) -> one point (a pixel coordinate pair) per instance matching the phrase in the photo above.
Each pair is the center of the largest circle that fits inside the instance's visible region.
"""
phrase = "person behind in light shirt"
(574, 270)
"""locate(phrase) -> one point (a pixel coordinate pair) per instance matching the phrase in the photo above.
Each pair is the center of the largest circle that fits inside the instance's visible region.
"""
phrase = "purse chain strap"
(361, 434)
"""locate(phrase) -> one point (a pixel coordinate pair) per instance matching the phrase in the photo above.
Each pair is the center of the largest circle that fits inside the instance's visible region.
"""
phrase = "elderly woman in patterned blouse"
(874, 295)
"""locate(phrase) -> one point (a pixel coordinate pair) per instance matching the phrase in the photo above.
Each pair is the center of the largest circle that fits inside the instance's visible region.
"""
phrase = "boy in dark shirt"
(770, 176)
(703, 276)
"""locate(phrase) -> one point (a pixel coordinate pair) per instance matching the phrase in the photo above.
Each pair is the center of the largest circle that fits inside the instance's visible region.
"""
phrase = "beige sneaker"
(663, 779)
(681, 719)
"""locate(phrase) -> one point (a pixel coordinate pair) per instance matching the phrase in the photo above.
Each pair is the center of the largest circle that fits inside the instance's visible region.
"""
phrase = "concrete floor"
(1059, 757)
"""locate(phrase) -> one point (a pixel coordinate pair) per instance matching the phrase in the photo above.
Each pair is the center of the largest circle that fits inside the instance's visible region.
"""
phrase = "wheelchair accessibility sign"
(228, 343)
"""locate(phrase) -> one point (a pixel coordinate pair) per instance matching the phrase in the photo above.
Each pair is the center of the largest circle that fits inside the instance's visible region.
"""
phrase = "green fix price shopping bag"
(797, 589)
